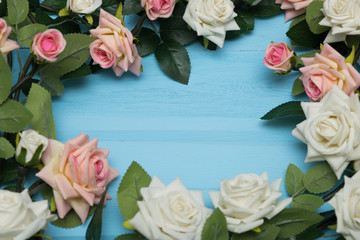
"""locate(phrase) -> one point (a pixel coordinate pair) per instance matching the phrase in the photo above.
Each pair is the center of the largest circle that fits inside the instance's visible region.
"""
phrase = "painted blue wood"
(202, 133)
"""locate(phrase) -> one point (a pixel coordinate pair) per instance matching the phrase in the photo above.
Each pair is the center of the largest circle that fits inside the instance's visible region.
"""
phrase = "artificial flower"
(20, 217)
(83, 6)
(30, 141)
(278, 57)
(116, 42)
(247, 199)
(293, 8)
(325, 70)
(158, 8)
(170, 212)
(331, 130)
(47, 45)
(78, 173)
(6, 44)
(211, 18)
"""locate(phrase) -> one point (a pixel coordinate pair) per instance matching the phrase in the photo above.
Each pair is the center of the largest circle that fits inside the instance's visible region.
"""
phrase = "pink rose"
(293, 8)
(324, 70)
(47, 45)
(278, 57)
(158, 8)
(6, 45)
(114, 46)
(78, 173)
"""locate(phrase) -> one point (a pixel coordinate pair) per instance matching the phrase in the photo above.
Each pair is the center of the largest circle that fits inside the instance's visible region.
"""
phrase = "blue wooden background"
(202, 133)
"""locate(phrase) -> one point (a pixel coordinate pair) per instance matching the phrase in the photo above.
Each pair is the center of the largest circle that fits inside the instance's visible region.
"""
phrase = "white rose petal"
(211, 18)
(331, 130)
(20, 218)
(247, 199)
(83, 6)
(31, 140)
(170, 212)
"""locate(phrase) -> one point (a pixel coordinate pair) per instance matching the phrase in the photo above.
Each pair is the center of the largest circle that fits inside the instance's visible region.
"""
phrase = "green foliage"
(57, 4)
(133, 236)
(293, 221)
(294, 180)
(34, 161)
(5, 80)
(17, 11)
(310, 234)
(243, 25)
(307, 201)
(6, 149)
(52, 84)
(268, 232)
(28, 32)
(66, 25)
(40, 105)
(298, 87)
(314, 15)
(148, 41)
(71, 219)
(175, 28)
(14, 117)
(74, 55)
(3, 8)
(266, 8)
(9, 170)
(132, 7)
(129, 190)
(320, 178)
(93, 231)
(82, 71)
(174, 61)
(41, 17)
(306, 55)
(288, 109)
(215, 227)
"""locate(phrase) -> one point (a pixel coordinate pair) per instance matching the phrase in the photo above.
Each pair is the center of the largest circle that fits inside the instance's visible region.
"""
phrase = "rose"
(346, 203)
(331, 130)
(170, 212)
(247, 199)
(101, 54)
(278, 57)
(30, 141)
(343, 18)
(20, 218)
(158, 8)
(293, 8)
(78, 173)
(47, 45)
(324, 70)
(6, 45)
(211, 19)
(83, 6)
(119, 41)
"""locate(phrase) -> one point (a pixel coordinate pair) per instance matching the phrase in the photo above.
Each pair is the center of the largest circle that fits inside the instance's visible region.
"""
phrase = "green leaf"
(6, 149)
(82, 71)
(129, 190)
(52, 84)
(3, 8)
(240, 21)
(5, 80)
(215, 227)
(9, 170)
(57, 4)
(66, 25)
(17, 11)
(310, 234)
(93, 231)
(314, 15)
(40, 105)
(268, 232)
(27, 33)
(307, 201)
(130, 237)
(266, 8)
(306, 55)
(288, 109)
(71, 219)
(248, 18)
(74, 55)
(14, 117)
(293, 221)
(320, 178)
(175, 28)
(132, 7)
(298, 87)
(294, 180)
(174, 61)
(148, 41)
(11, 188)
(42, 18)
(301, 34)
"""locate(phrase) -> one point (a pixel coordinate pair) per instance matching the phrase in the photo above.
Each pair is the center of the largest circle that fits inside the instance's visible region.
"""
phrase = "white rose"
(247, 199)
(30, 140)
(331, 130)
(83, 6)
(211, 18)
(170, 212)
(346, 203)
(343, 16)
(20, 218)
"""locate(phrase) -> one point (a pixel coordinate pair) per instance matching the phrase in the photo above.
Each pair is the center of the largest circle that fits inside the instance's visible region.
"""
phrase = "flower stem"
(10, 60)
(49, 9)
(21, 178)
(31, 17)
(328, 196)
(35, 187)
(357, 55)
(139, 24)
(23, 76)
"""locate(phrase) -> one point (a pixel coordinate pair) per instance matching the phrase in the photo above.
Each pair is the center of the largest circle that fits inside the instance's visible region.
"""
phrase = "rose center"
(48, 44)
(99, 165)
